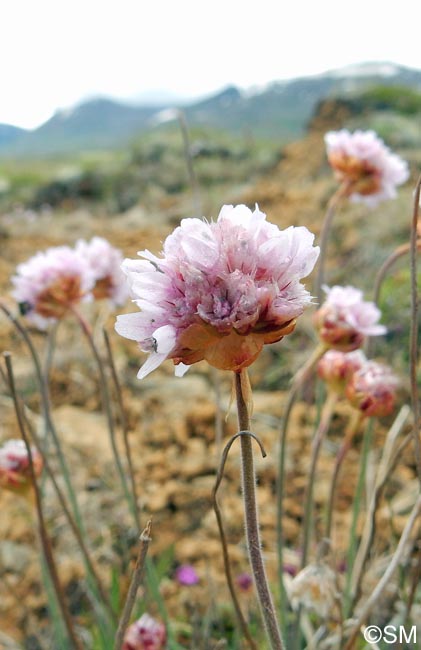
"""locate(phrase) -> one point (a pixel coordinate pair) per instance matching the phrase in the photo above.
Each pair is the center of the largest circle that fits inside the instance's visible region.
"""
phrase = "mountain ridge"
(279, 109)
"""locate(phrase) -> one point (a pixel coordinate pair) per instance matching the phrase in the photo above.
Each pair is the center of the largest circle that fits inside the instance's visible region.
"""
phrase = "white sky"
(54, 53)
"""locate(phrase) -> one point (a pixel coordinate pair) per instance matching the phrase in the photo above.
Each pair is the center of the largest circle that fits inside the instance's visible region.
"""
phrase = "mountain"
(279, 110)
(9, 134)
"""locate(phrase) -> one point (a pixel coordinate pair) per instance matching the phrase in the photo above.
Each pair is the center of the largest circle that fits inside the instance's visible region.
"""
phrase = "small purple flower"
(186, 575)
(244, 582)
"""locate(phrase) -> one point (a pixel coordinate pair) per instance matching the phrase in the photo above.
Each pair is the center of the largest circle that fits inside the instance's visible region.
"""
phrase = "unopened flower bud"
(345, 319)
(372, 389)
(336, 367)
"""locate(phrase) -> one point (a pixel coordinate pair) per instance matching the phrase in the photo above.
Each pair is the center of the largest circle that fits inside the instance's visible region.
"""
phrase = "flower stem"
(105, 398)
(251, 515)
(340, 457)
(134, 586)
(46, 412)
(368, 436)
(371, 601)
(225, 555)
(322, 429)
(413, 342)
(298, 381)
(324, 235)
(44, 536)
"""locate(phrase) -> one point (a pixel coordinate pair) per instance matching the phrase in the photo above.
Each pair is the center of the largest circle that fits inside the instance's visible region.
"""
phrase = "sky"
(56, 53)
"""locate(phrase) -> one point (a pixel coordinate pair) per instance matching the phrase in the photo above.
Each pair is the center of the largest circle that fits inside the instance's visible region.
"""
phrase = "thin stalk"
(325, 420)
(46, 412)
(387, 576)
(44, 537)
(333, 204)
(72, 523)
(251, 515)
(340, 457)
(227, 565)
(297, 382)
(386, 466)
(197, 203)
(138, 572)
(413, 342)
(124, 425)
(368, 437)
(106, 405)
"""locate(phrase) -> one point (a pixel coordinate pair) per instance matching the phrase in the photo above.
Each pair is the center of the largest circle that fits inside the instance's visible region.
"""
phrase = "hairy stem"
(251, 515)
(227, 566)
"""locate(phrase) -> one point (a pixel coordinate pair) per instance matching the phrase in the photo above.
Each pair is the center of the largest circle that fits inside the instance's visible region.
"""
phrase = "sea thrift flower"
(372, 389)
(186, 575)
(145, 634)
(105, 263)
(220, 291)
(50, 283)
(15, 474)
(336, 367)
(345, 319)
(314, 588)
(363, 163)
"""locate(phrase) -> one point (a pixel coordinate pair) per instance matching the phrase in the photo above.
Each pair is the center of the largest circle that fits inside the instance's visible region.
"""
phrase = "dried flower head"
(105, 263)
(314, 588)
(336, 367)
(50, 283)
(186, 574)
(15, 474)
(368, 169)
(220, 291)
(145, 634)
(373, 389)
(345, 319)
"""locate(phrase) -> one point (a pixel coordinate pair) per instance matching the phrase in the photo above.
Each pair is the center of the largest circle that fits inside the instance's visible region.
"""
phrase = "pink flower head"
(186, 575)
(50, 283)
(345, 319)
(365, 165)
(336, 367)
(105, 263)
(15, 472)
(372, 389)
(220, 291)
(145, 634)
